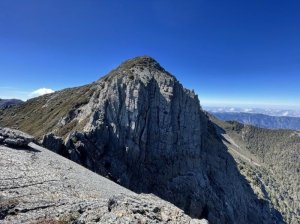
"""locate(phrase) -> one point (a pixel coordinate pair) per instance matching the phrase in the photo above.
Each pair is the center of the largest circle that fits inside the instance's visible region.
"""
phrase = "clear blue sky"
(228, 51)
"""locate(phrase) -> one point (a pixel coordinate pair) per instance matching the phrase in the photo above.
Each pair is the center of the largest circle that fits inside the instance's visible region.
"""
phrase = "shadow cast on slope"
(268, 213)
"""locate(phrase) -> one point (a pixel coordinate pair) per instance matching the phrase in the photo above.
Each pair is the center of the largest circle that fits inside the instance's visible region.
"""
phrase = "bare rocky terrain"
(39, 186)
(139, 127)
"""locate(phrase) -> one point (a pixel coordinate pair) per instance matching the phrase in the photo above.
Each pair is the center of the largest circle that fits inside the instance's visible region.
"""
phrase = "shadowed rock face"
(269, 159)
(142, 129)
(139, 127)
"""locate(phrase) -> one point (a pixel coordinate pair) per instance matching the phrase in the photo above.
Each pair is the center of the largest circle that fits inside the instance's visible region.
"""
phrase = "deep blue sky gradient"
(242, 51)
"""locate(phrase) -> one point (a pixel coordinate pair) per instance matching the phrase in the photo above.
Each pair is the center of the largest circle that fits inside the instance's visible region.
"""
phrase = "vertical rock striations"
(139, 127)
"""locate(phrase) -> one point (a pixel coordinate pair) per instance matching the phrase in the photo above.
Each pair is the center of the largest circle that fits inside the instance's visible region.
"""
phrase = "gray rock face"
(149, 134)
(137, 126)
(39, 186)
(14, 138)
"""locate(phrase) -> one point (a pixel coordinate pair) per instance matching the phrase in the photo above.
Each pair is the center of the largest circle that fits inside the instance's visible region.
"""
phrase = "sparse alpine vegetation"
(51, 112)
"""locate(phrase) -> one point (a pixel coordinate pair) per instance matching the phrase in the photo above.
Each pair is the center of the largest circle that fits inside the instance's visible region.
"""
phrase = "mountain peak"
(141, 60)
(139, 63)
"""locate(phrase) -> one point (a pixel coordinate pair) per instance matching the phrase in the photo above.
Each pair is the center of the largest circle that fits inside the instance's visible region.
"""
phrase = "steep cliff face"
(139, 127)
(139, 124)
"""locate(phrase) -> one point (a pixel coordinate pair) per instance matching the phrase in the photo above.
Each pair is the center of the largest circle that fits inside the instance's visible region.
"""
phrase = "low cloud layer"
(40, 92)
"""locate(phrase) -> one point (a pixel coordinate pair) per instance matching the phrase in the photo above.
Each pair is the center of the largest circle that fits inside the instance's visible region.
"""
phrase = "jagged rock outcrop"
(14, 138)
(39, 186)
(139, 127)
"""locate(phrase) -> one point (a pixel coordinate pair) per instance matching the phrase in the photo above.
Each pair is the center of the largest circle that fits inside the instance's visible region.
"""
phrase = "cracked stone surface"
(39, 186)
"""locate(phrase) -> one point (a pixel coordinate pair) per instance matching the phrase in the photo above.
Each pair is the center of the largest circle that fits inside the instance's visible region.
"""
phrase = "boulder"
(14, 138)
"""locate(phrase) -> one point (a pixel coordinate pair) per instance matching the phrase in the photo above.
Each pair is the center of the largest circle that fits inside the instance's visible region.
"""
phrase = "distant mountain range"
(271, 111)
(261, 120)
(6, 103)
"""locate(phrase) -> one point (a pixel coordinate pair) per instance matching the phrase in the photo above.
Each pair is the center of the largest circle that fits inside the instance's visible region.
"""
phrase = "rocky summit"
(139, 127)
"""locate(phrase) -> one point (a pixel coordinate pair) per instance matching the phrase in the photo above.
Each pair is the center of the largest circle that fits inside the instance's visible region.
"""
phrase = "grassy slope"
(35, 118)
(41, 115)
